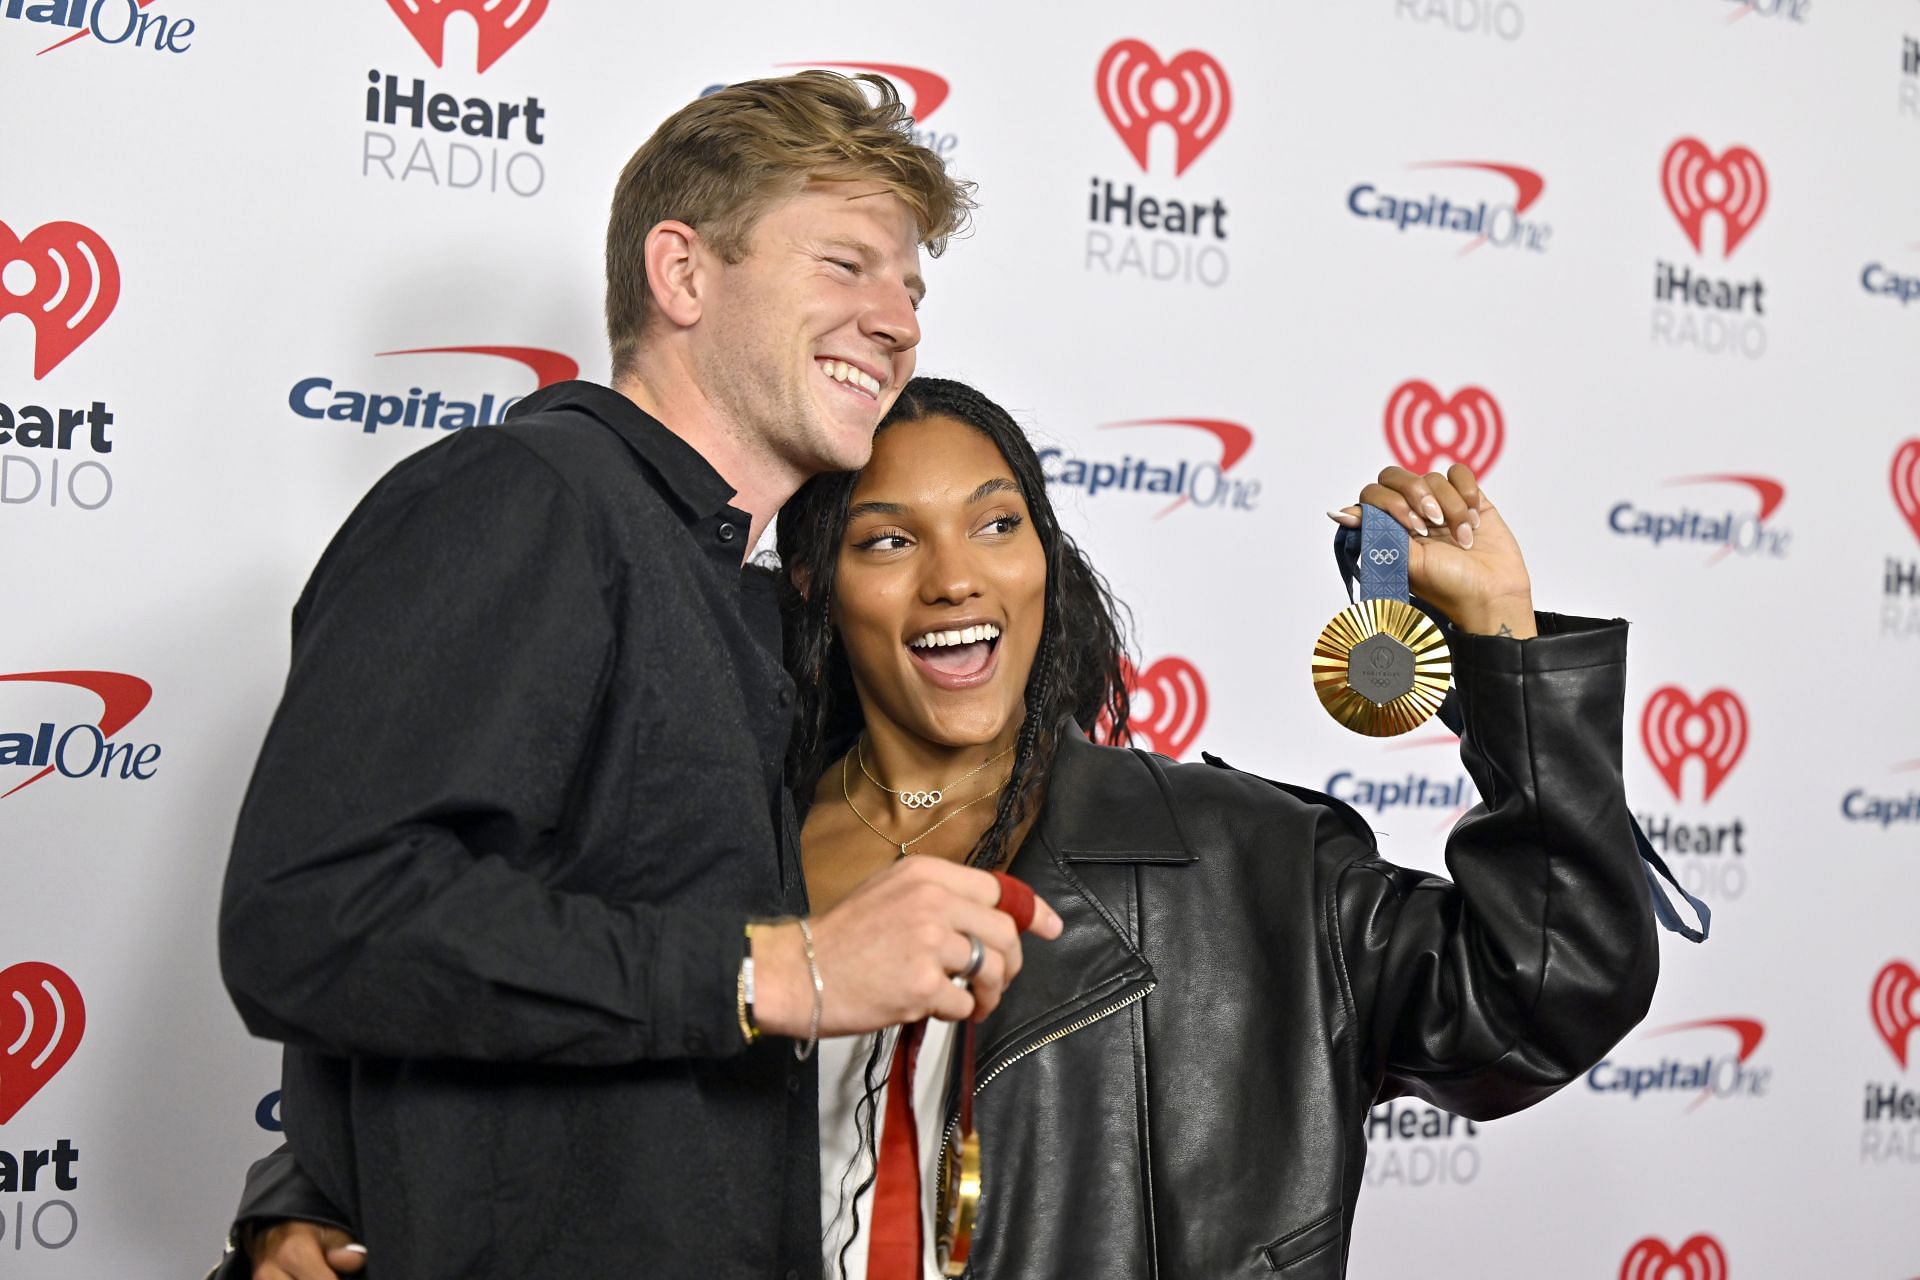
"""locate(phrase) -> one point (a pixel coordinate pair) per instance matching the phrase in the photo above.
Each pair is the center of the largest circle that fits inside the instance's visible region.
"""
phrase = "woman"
(1178, 1085)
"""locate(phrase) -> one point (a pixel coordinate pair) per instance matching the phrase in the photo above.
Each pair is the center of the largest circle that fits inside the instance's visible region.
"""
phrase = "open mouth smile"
(957, 658)
(850, 376)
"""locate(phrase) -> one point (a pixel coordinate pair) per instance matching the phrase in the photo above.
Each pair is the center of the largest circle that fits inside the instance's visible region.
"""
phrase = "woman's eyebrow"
(859, 509)
(999, 484)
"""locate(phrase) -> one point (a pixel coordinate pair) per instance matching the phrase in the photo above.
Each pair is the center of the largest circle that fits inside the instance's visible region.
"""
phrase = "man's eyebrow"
(861, 509)
(999, 484)
(867, 254)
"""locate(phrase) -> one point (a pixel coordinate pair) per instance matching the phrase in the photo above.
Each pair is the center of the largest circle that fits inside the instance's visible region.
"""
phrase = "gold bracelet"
(748, 1031)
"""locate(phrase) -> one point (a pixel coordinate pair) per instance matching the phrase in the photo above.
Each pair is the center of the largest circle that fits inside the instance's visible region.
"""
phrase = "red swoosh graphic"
(1748, 1029)
(548, 366)
(122, 697)
(929, 89)
(1772, 492)
(78, 35)
(1234, 440)
(1528, 184)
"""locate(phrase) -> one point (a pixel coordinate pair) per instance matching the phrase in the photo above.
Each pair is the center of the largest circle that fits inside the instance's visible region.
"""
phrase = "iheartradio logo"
(1167, 704)
(1676, 729)
(1699, 1258)
(1694, 183)
(501, 24)
(41, 1020)
(1189, 95)
(65, 280)
(1905, 479)
(1425, 432)
(1896, 1007)
(925, 89)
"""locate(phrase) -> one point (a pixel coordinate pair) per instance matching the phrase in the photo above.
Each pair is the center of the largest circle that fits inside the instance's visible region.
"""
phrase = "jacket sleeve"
(383, 896)
(1486, 994)
(278, 1190)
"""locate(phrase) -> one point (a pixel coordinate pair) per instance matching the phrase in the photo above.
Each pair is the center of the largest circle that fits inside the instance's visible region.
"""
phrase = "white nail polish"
(355, 1248)
(1433, 511)
(1464, 535)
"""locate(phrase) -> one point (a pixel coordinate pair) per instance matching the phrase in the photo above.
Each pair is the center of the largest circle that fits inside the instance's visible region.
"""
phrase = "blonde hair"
(719, 162)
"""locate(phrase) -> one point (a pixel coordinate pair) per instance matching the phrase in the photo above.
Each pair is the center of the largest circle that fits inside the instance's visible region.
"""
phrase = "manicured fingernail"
(1464, 535)
(1434, 514)
(1341, 517)
(1420, 529)
(355, 1248)
(1473, 516)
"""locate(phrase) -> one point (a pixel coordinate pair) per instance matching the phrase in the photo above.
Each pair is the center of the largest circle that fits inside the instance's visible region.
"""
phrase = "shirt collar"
(684, 474)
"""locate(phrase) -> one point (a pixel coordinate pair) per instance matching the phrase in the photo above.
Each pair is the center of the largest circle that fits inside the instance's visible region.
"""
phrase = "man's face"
(805, 343)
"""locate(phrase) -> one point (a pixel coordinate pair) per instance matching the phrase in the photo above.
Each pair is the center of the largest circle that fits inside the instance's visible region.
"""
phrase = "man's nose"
(891, 319)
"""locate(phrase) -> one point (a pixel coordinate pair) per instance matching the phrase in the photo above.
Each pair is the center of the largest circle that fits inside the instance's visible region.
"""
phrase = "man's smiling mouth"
(848, 375)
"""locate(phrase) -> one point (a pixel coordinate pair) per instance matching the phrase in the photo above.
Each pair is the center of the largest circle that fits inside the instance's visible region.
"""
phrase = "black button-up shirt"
(521, 794)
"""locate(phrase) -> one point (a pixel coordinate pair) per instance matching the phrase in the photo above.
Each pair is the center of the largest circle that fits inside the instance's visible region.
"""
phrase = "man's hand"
(888, 951)
(303, 1251)
(1463, 559)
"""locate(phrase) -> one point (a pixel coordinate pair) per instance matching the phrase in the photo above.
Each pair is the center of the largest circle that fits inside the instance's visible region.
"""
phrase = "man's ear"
(675, 259)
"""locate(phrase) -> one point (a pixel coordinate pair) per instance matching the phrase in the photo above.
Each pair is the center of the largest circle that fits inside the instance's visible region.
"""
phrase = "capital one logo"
(1696, 184)
(501, 23)
(65, 280)
(1698, 1258)
(1190, 95)
(926, 90)
(1425, 431)
(1896, 1007)
(1675, 729)
(41, 1020)
(1905, 479)
(84, 748)
(1167, 705)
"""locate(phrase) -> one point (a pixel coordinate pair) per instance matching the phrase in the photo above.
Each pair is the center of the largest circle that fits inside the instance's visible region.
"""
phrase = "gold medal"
(959, 1204)
(1381, 668)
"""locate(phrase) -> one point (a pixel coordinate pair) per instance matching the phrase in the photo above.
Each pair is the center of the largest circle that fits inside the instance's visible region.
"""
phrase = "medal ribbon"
(1351, 548)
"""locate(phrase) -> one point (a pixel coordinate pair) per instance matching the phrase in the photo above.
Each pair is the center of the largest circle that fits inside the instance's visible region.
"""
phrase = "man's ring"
(975, 958)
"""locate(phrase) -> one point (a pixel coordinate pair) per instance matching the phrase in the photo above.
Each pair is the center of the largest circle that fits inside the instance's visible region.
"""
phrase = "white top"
(844, 1162)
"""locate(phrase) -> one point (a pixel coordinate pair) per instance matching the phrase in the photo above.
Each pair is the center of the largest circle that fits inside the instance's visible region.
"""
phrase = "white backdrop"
(219, 248)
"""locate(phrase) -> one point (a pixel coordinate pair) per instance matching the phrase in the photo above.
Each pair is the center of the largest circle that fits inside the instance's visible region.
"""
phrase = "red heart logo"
(1167, 705)
(501, 22)
(76, 282)
(1893, 1005)
(1720, 724)
(1906, 482)
(1189, 95)
(1414, 416)
(1694, 182)
(1700, 1258)
(41, 1021)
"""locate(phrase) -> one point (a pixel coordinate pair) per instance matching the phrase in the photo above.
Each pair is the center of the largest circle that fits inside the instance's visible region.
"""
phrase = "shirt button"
(695, 1042)
(727, 532)
(786, 697)
(793, 1084)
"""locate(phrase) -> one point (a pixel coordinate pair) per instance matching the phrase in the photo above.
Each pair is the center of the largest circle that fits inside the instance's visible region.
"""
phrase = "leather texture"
(1265, 977)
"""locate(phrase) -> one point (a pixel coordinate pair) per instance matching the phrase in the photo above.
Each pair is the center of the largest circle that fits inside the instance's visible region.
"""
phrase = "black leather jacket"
(1178, 1086)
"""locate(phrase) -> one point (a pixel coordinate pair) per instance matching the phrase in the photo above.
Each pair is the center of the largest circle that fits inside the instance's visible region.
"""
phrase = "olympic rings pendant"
(921, 799)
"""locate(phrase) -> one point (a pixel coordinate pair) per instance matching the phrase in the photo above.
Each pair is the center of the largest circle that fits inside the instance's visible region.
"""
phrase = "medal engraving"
(1380, 669)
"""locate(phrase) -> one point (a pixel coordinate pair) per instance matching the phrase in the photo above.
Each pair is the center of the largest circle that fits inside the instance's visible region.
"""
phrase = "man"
(522, 798)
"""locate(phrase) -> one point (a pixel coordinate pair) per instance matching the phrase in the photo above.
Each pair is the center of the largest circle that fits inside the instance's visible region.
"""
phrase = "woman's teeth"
(965, 635)
(841, 371)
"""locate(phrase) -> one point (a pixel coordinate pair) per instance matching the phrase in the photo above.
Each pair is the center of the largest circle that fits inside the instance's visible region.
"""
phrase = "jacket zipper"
(1079, 1024)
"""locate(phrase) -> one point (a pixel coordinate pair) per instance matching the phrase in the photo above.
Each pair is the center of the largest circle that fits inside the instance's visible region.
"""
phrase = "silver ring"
(975, 958)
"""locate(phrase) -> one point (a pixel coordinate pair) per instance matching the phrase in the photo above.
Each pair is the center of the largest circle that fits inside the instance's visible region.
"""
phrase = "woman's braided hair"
(1076, 672)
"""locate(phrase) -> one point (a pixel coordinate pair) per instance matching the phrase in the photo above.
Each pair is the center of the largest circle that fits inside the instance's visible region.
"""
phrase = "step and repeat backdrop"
(1652, 267)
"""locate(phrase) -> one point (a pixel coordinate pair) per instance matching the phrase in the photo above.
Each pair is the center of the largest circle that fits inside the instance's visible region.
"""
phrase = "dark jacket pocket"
(1312, 1251)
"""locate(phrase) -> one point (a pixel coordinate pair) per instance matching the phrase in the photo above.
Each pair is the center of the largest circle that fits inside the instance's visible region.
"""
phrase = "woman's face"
(941, 586)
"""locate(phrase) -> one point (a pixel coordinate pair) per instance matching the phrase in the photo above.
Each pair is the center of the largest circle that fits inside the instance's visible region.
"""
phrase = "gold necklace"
(903, 845)
(920, 799)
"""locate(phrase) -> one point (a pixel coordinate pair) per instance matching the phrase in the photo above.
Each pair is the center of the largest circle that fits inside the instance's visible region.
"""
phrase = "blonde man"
(492, 880)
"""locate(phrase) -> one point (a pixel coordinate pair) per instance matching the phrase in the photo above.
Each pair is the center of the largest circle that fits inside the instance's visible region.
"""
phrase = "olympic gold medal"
(1381, 668)
(959, 1204)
